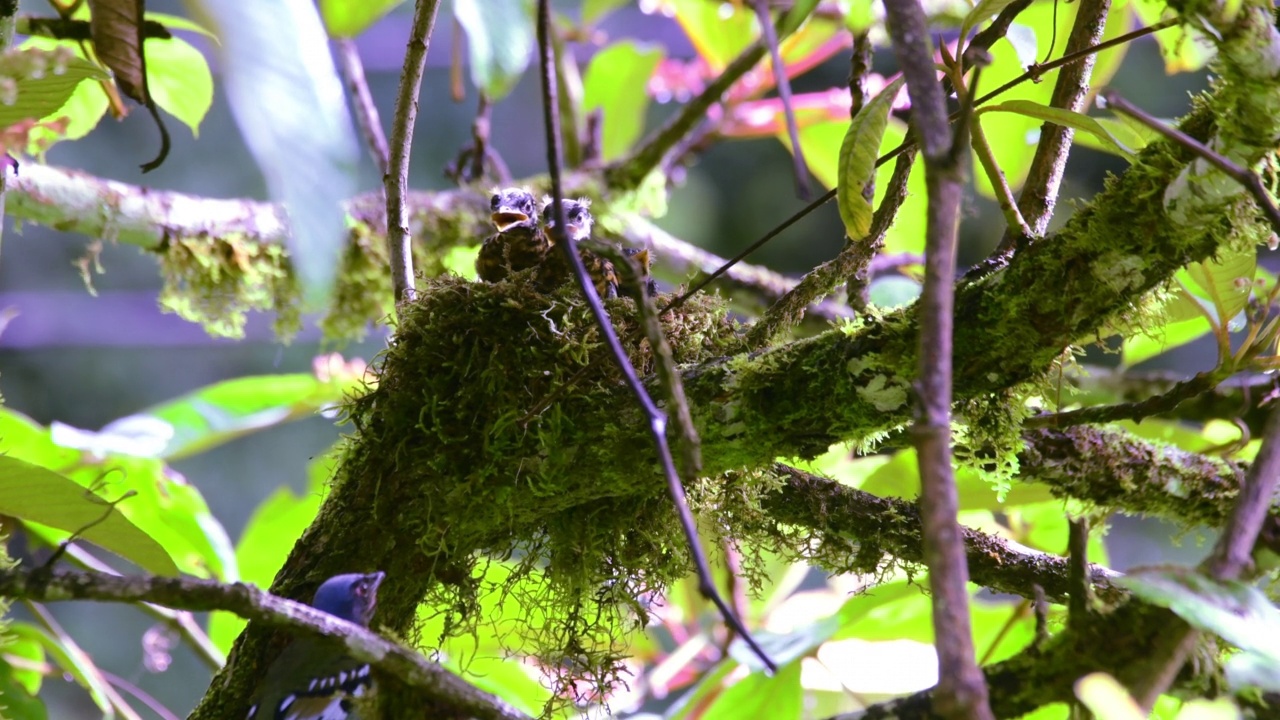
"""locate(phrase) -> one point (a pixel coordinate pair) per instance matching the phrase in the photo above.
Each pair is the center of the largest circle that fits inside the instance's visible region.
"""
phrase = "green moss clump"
(216, 281)
(472, 466)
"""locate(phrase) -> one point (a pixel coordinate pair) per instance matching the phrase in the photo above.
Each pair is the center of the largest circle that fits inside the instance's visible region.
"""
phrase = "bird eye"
(493, 202)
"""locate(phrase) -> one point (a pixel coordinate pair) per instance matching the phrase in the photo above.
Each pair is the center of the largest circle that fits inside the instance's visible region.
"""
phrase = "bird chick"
(519, 242)
(577, 225)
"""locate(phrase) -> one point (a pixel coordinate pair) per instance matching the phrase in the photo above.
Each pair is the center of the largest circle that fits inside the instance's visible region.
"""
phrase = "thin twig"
(429, 680)
(396, 179)
(770, 37)
(74, 650)
(366, 110)
(140, 695)
(1249, 179)
(853, 260)
(1044, 177)
(1135, 411)
(962, 689)
(657, 418)
(180, 621)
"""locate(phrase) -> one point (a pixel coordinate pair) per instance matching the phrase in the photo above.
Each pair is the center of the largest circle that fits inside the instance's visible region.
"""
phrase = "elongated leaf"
(1237, 612)
(1066, 118)
(44, 82)
(983, 11)
(16, 701)
(718, 31)
(288, 101)
(1226, 281)
(1140, 347)
(499, 42)
(760, 695)
(34, 493)
(116, 26)
(615, 83)
(165, 506)
(179, 79)
(73, 660)
(858, 155)
(349, 18)
(594, 10)
(1129, 133)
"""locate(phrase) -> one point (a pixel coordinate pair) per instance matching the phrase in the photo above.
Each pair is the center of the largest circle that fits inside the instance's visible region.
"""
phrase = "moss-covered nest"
(481, 477)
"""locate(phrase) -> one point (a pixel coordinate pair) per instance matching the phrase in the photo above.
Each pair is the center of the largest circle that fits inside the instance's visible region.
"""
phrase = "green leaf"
(594, 10)
(795, 17)
(349, 18)
(759, 695)
(43, 83)
(719, 31)
(67, 655)
(1129, 133)
(1225, 281)
(24, 649)
(219, 413)
(900, 477)
(1150, 343)
(270, 535)
(858, 155)
(1237, 612)
(290, 107)
(16, 701)
(499, 40)
(1106, 698)
(177, 22)
(36, 494)
(615, 83)
(164, 506)
(1185, 49)
(179, 80)
(1065, 118)
(982, 12)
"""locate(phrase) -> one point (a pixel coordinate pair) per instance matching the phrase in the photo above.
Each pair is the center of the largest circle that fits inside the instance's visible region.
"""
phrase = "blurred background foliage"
(226, 441)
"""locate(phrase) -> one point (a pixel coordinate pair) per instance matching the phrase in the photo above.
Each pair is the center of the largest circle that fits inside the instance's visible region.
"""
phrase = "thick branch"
(431, 683)
(875, 526)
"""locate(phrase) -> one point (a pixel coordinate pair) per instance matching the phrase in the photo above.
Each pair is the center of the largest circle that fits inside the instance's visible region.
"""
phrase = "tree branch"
(961, 690)
(431, 683)
(396, 179)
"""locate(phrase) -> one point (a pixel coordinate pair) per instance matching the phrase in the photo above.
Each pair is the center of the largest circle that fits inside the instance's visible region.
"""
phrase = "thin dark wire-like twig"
(362, 104)
(657, 418)
(140, 695)
(1249, 179)
(770, 37)
(396, 180)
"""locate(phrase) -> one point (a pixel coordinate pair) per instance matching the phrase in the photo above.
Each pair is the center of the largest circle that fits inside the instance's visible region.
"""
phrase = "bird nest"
(560, 508)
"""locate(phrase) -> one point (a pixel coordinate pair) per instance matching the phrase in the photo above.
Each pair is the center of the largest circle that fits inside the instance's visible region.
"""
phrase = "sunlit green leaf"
(269, 536)
(1184, 48)
(900, 478)
(615, 83)
(74, 661)
(17, 702)
(43, 84)
(33, 493)
(24, 649)
(795, 16)
(594, 10)
(1107, 699)
(1226, 281)
(719, 31)
(760, 695)
(1139, 347)
(858, 153)
(219, 413)
(164, 506)
(179, 80)
(1066, 118)
(349, 18)
(499, 42)
(1128, 133)
(177, 22)
(1236, 611)
(982, 12)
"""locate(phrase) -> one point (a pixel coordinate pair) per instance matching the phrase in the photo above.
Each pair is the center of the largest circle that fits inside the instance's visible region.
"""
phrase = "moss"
(476, 474)
(216, 281)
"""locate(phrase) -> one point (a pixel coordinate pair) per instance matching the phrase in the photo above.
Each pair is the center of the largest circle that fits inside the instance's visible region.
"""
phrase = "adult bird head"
(352, 597)
(577, 218)
(512, 206)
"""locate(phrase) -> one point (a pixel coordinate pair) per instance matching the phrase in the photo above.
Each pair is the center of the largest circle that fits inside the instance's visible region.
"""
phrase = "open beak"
(505, 218)
(573, 230)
